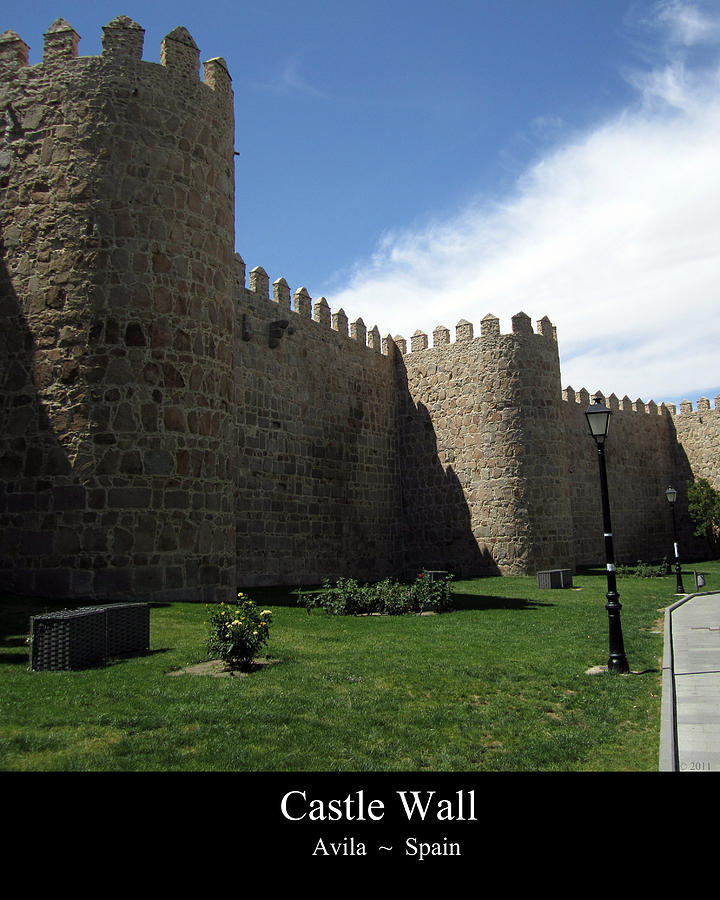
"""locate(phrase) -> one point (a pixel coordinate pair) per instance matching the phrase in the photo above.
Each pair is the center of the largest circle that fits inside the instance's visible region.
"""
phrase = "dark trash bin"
(554, 578)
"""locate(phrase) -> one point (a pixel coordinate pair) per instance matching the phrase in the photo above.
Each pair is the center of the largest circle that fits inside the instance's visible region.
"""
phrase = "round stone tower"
(484, 470)
(117, 433)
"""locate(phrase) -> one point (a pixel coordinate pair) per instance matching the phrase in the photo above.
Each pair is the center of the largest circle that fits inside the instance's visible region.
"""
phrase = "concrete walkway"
(690, 727)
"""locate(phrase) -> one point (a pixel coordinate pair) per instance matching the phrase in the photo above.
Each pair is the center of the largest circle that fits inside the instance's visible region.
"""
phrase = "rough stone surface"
(118, 319)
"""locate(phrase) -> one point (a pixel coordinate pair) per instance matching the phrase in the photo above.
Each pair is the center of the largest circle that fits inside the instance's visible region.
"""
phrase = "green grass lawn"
(499, 684)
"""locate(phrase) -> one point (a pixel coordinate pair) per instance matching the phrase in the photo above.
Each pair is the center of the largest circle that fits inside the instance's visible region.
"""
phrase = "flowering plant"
(347, 597)
(237, 632)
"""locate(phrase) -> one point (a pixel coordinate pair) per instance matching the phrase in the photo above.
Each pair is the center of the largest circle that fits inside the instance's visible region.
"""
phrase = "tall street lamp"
(598, 418)
(671, 495)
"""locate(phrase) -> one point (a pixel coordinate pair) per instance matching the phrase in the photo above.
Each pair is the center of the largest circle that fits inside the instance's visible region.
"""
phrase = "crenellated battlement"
(583, 397)
(301, 304)
(613, 403)
(703, 405)
(122, 46)
(465, 332)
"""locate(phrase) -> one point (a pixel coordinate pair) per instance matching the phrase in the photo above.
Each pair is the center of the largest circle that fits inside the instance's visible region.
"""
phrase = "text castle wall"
(118, 408)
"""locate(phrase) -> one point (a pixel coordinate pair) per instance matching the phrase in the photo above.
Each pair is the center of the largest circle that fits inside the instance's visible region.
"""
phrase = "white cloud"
(289, 79)
(687, 23)
(615, 236)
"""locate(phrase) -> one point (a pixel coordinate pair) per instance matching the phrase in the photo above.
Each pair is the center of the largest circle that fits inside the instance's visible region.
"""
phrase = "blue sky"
(420, 162)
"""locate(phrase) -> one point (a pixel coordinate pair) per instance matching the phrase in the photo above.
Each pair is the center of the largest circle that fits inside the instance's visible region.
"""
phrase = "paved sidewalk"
(690, 728)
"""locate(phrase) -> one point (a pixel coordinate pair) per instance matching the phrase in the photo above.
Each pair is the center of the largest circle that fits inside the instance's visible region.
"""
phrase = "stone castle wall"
(359, 458)
(173, 427)
(317, 455)
(642, 460)
(698, 433)
(117, 404)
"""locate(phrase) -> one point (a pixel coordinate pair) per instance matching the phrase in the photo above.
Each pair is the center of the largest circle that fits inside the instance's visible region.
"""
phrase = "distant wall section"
(698, 432)
(643, 458)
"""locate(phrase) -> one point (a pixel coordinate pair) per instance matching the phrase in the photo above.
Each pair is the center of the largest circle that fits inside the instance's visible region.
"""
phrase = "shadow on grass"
(24, 658)
(16, 612)
(291, 597)
(482, 601)
(280, 596)
(15, 615)
(596, 571)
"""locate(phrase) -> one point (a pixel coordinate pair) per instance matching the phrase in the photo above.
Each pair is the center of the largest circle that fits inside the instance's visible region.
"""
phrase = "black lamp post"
(598, 418)
(671, 495)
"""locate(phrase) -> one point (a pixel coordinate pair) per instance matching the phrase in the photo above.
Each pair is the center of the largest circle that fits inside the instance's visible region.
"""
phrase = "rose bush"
(347, 597)
(238, 631)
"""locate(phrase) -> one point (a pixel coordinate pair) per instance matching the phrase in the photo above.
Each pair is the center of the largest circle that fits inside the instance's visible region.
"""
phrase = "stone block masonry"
(118, 411)
(317, 466)
(483, 451)
(643, 458)
(173, 427)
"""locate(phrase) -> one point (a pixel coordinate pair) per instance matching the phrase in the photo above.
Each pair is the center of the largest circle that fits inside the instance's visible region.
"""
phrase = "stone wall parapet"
(638, 405)
(301, 303)
(583, 397)
(489, 330)
(703, 405)
(319, 311)
(122, 45)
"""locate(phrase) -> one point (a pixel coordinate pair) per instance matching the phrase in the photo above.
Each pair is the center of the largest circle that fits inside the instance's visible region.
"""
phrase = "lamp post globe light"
(598, 419)
(671, 495)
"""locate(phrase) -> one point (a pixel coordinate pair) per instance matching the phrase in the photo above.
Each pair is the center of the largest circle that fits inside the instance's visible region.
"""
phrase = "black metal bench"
(89, 636)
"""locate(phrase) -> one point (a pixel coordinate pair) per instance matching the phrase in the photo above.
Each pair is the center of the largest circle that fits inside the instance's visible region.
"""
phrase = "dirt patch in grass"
(218, 669)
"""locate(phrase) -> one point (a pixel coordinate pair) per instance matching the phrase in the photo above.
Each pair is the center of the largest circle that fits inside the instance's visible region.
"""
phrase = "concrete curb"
(668, 759)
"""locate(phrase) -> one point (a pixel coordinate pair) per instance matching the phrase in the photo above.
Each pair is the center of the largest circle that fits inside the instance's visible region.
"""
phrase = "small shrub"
(393, 598)
(432, 595)
(238, 631)
(347, 597)
(644, 570)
